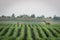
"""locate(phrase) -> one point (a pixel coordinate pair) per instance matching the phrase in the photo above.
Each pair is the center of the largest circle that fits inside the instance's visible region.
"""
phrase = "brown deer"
(17, 23)
(47, 23)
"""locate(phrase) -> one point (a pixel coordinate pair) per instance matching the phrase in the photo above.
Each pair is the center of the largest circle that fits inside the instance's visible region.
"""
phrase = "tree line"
(26, 16)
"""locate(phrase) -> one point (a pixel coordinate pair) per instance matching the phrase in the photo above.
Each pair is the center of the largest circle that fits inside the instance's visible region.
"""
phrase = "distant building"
(41, 16)
(24, 16)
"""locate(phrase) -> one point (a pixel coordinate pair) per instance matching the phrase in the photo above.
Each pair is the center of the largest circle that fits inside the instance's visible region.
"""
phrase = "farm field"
(29, 32)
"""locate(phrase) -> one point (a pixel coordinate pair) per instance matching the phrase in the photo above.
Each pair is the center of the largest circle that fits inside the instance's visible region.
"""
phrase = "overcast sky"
(37, 7)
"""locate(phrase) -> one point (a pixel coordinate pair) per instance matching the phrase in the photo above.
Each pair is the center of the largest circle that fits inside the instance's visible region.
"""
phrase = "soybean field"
(29, 32)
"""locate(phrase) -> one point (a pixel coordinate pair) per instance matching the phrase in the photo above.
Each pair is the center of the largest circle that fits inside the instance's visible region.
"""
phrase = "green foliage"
(43, 29)
(32, 16)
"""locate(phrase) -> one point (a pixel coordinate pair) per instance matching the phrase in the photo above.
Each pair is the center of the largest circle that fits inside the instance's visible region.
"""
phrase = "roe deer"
(47, 23)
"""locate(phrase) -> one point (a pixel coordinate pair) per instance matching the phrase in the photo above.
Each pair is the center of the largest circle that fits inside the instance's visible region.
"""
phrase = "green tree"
(13, 15)
(3, 16)
(33, 16)
(50, 17)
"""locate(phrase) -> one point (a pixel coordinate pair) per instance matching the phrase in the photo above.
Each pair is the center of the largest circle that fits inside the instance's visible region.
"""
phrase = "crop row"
(29, 32)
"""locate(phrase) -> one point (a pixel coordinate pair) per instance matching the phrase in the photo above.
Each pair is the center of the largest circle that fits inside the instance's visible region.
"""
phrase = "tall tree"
(33, 16)
(13, 15)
